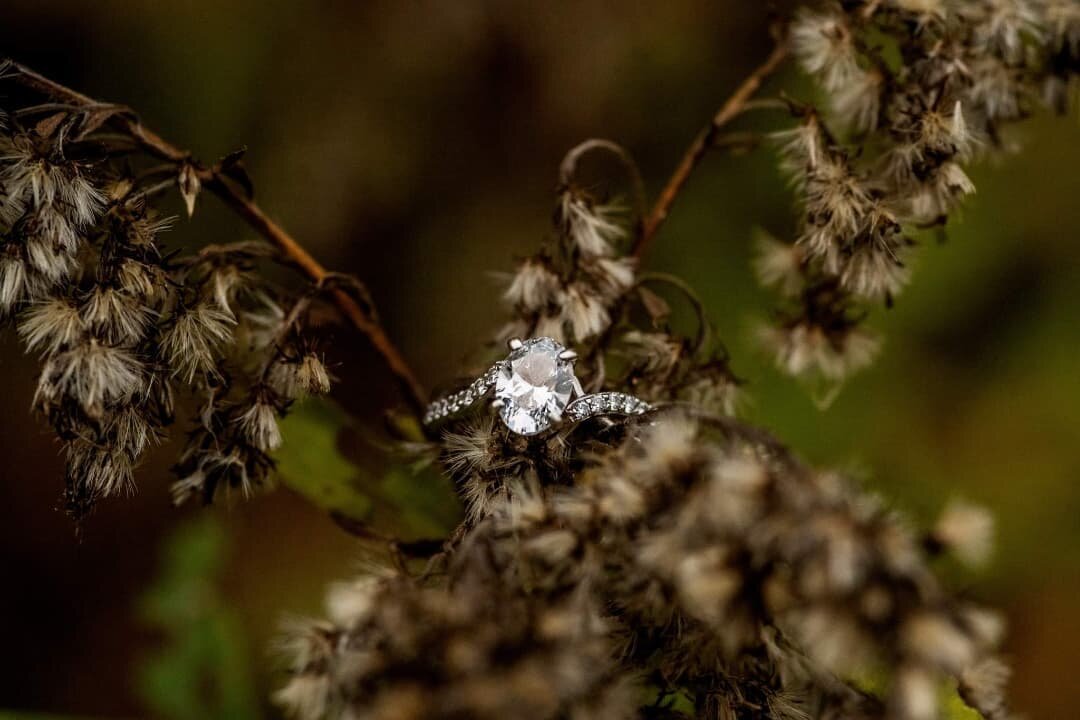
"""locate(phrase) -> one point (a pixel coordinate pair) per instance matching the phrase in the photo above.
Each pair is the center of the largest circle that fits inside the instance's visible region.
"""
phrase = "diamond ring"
(535, 389)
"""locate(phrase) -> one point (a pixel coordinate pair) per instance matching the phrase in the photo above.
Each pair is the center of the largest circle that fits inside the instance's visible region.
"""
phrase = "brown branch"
(704, 141)
(212, 178)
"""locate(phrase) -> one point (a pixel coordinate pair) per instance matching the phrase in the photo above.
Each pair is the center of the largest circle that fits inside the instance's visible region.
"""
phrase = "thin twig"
(212, 178)
(731, 109)
(422, 548)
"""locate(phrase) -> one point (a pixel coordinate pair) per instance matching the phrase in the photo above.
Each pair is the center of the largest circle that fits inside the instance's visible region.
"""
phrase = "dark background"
(416, 144)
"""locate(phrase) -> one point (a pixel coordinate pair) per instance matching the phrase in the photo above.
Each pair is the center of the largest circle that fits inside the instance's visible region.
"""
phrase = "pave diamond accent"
(606, 403)
(534, 385)
(455, 403)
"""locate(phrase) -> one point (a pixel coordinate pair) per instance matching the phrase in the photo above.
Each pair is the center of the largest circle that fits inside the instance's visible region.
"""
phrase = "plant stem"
(704, 140)
(212, 178)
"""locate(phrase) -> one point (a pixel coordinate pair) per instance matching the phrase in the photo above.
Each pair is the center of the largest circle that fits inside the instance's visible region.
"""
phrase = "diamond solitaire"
(534, 386)
(535, 389)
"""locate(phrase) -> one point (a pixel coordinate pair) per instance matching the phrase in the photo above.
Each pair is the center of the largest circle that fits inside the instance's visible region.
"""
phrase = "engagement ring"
(535, 389)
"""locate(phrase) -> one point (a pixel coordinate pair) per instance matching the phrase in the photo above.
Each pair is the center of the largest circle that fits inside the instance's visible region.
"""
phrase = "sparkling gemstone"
(534, 385)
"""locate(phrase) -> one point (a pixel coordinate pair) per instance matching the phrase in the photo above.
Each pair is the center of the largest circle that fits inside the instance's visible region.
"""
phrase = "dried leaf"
(189, 186)
(233, 157)
(656, 306)
(98, 115)
(310, 462)
(232, 167)
(45, 128)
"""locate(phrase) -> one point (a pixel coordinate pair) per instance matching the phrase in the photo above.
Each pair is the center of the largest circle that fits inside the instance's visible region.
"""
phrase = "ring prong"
(554, 415)
(570, 355)
(514, 343)
(498, 403)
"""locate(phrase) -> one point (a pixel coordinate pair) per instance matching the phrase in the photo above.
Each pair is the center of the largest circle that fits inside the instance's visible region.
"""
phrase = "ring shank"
(454, 403)
(606, 403)
(581, 408)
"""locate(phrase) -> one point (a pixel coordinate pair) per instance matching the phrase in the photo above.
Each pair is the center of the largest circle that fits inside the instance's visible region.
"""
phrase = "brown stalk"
(213, 179)
(704, 141)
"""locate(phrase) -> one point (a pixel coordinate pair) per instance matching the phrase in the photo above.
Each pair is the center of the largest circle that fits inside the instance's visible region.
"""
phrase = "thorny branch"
(213, 178)
(694, 154)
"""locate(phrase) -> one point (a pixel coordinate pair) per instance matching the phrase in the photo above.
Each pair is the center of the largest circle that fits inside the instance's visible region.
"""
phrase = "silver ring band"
(535, 389)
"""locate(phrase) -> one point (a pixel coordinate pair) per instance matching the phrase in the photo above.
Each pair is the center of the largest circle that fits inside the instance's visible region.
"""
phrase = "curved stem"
(568, 168)
(731, 109)
(213, 179)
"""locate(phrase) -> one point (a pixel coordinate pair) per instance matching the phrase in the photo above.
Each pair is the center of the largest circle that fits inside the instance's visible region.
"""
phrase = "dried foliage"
(915, 91)
(128, 332)
(680, 564)
(693, 558)
(695, 563)
(684, 565)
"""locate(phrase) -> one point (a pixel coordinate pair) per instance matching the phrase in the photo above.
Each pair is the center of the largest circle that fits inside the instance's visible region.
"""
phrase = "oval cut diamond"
(534, 385)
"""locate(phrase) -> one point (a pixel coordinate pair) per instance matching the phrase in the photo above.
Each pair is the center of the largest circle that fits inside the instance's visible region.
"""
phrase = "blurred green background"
(416, 145)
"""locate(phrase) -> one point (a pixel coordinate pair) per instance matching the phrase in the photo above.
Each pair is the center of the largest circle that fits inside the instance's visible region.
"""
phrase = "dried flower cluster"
(692, 568)
(567, 291)
(701, 568)
(395, 649)
(915, 91)
(125, 332)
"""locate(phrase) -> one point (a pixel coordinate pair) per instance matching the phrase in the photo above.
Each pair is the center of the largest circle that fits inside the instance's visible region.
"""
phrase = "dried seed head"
(105, 472)
(91, 373)
(982, 686)
(584, 312)
(803, 350)
(779, 264)
(259, 425)
(594, 228)
(35, 182)
(875, 268)
(914, 694)
(295, 378)
(936, 196)
(612, 277)
(130, 431)
(533, 287)
(51, 326)
(117, 316)
(966, 530)
(190, 343)
(141, 280)
(824, 45)
(14, 287)
(312, 376)
(857, 104)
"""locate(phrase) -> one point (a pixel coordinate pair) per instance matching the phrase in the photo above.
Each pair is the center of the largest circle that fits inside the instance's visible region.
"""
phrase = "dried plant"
(914, 91)
(126, 331)
(680, 564)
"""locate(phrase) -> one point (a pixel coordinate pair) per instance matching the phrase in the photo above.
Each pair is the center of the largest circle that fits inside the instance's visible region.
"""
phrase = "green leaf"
(876, 682)
(424, 501)
(310, 463)
(201, 670)
(955, 708)
(411, 503)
